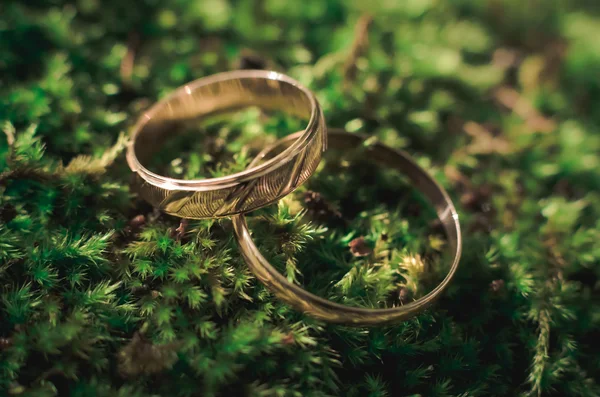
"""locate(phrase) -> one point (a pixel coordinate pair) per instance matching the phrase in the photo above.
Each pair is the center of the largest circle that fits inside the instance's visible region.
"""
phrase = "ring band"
(253, 188)
(329, 311)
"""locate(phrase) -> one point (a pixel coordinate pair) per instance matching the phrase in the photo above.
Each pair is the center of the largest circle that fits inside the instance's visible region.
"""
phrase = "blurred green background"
(498, 99)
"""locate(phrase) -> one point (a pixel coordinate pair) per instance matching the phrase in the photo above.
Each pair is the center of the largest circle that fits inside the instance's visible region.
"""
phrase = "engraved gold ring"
(253, 188)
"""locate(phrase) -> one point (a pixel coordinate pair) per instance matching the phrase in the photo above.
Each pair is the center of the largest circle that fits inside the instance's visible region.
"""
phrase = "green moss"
(100, 295)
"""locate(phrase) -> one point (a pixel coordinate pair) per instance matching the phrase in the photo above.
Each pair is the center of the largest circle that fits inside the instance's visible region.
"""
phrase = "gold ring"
(253, 188)
(328, 311)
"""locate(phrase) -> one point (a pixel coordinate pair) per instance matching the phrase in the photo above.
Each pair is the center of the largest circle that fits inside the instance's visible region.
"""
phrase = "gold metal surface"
(328, 311)
(245, 191)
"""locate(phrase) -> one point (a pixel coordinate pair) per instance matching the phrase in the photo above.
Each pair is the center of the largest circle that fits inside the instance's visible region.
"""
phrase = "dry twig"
(512, 100)
(359, 46)
(483, 140)
(126, 69)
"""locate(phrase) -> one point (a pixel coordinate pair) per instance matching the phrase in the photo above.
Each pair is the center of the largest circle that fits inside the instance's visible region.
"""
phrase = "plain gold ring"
(332, 312)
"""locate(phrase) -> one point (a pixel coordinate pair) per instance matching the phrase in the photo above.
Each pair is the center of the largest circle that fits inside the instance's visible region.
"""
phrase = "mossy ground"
(102, 296)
